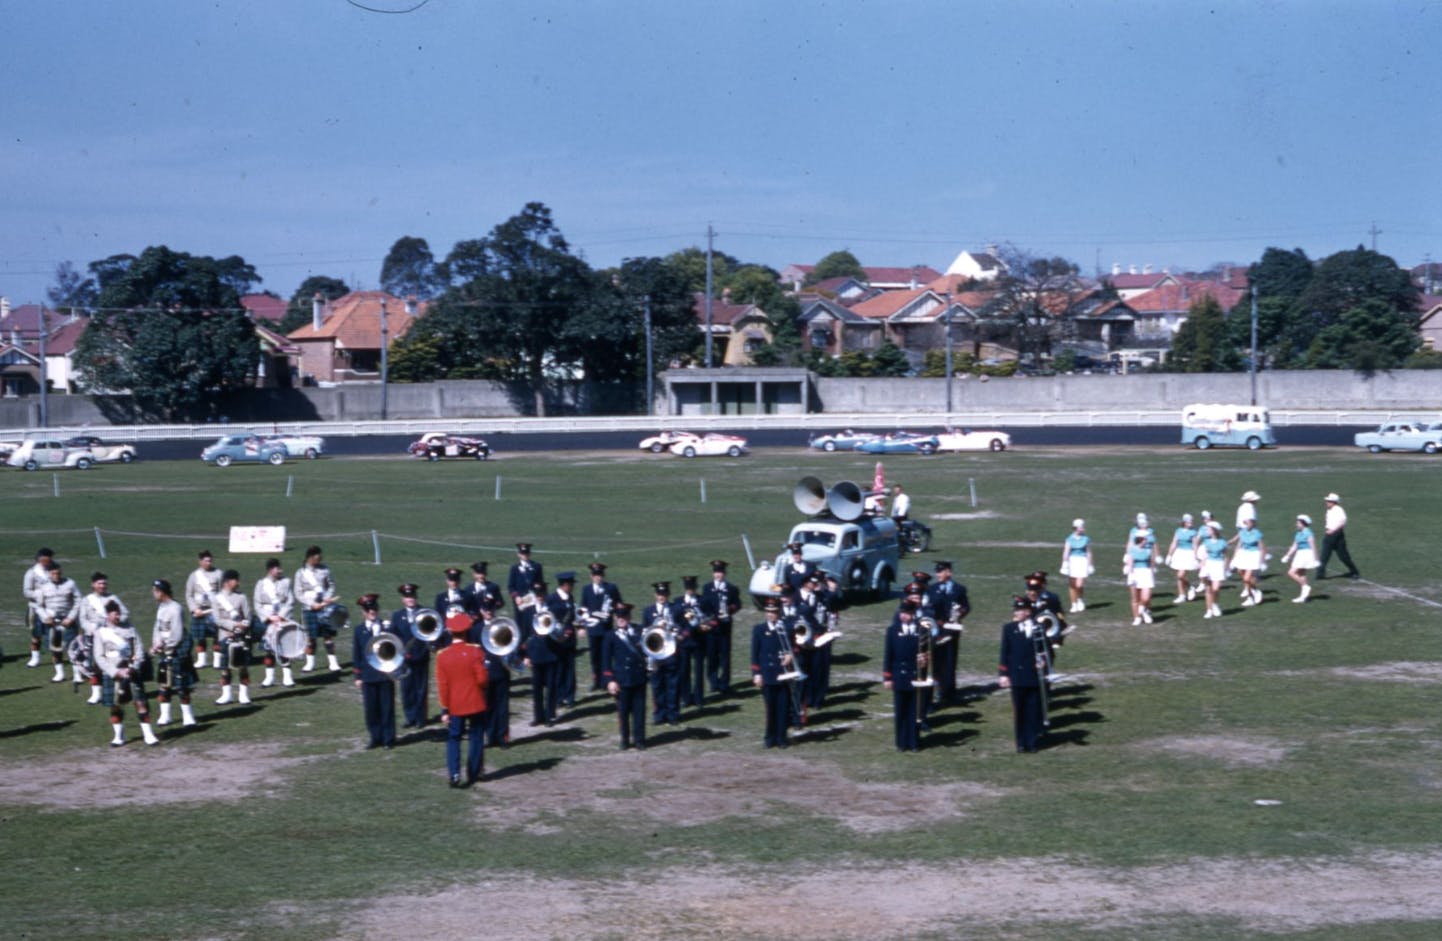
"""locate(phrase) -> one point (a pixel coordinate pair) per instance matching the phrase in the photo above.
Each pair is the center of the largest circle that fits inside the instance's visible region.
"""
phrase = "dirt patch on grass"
(141, 775)
(704, 788)
(1404, 671)
(867, 901)
(978, 515)
(1231, 751)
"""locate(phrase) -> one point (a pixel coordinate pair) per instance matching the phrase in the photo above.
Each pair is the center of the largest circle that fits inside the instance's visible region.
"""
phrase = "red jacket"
(461, 679)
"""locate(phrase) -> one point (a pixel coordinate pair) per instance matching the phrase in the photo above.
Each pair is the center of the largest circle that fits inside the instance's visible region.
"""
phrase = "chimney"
(725, 295)
(4, 307)
(317, 311)
(411, 305)
(913, 282)
(1131, 269)
(1116, 268)
(1146, 269)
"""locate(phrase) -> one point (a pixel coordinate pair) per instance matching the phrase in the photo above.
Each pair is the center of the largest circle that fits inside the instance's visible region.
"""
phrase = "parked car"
(968, 440)
(1206, 426)
(7, 448)
(711, 445)
(1402, 436)
(243, 449)
(663, 441)
(105, 452)
(33, 455)
(847, 440)
(309, 447)
(900, 442)
(434, 445)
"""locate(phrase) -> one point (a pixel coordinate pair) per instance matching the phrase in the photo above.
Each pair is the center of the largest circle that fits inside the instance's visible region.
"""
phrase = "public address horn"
(845, 501)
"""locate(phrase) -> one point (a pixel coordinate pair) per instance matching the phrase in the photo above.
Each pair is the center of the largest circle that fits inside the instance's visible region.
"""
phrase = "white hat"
(1142, 520)
(1078, 523)
(1251, 496)
(1331, 498)
(1215, 524)
(1206, 514)
(1186, 517)
(1306, 520)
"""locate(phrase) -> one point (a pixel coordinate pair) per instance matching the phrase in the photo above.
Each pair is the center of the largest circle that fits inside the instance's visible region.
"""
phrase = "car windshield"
(811, 537)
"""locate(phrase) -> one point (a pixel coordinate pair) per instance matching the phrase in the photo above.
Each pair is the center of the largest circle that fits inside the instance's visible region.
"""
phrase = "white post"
(99, 543)
(750, 559)
(289, 485)
(376, 542)
(703, 490)
(972, 481)
(55, 480)
(498, 486)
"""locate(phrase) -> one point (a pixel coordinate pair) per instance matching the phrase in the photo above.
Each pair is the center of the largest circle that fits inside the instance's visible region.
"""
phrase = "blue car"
(234, 449)
(901, 442)
(847, 440)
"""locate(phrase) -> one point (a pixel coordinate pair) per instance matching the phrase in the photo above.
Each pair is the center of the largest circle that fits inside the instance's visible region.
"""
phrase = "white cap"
(1304, 519)
(1078, 523)
(1186, 517)
(1251, 496)
(1142, 520)
(1332, 498)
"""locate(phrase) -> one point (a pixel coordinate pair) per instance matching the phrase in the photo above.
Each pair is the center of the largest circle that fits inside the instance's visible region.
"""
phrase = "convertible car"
(711, 445)
(104, 451)
(435, 445)
(968, 440)
(847, 440)
(663, 441)
(900, 442)
(243, 449)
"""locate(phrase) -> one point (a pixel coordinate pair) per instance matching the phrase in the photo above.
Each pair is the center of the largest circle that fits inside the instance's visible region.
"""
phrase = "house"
(977, 266)
(829, 327)
(21, 327)
(916, 321)
(1430, 325)
(737, 330)
(19, 370)
(1162, 310)
(885, 279)
(343, 341)
(1130, 283)
(847, 290)
(264, 309)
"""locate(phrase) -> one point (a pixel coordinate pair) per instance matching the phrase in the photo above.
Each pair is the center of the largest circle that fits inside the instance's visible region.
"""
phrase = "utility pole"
(385, 360)
(650, 368)
(947, 318)
(44, 377)
(1252, 367)
(1374, 232)
(710, 236)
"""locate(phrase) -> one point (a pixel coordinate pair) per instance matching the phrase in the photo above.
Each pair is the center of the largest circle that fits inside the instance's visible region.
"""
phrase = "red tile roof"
(354, 321)
(886, 303)
(264, 307)
(722, 313)
(1178, 298)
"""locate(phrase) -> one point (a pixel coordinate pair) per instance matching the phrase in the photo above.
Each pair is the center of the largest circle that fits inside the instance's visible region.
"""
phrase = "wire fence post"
(99, 543)
(376, 544)
(750, 559)
(55, 481)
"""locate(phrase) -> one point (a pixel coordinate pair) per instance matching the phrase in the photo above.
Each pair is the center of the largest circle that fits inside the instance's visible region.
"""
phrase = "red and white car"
(713, 444)
(663, 441)
(434, 445)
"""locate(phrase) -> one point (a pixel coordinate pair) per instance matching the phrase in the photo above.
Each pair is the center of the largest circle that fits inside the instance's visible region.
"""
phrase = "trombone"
(798, 634)
(924, 682)
(1036, 629)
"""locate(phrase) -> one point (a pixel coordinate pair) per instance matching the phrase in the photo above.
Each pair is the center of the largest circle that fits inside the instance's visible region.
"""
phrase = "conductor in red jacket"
(461, 680)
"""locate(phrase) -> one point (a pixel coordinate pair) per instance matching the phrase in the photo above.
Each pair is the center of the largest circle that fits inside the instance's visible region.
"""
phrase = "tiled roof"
(264, 306)
(722, 313)
(887, 303)
(1177, 298)
(354, 321)
(1127, 281)
(26, 319)
(62, 341)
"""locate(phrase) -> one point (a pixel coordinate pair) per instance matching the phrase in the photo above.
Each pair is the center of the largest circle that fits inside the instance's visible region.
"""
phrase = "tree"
(889, 361)
(840, 264)
(1341, 283)
(169, 329)
(409, 269)
(1202, 343)
(509, 298)
(1370, 337)
(609, 330)
(300, 309)
(1034, 302)
(691, 264)
(71, 291)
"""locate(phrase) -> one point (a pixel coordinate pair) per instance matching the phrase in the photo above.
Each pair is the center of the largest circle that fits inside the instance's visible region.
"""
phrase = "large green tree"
(170, 330)
(840, 264)
(1371, 336)
(300, 310)
(609, 332)
(1341, 283)
(71, 291)
(1202, 343)
(409, 269)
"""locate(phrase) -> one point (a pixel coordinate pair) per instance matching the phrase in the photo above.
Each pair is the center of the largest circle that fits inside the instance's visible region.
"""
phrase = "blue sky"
(308, 135)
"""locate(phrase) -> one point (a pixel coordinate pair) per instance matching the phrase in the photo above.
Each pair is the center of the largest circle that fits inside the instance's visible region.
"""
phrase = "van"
(1236, 426)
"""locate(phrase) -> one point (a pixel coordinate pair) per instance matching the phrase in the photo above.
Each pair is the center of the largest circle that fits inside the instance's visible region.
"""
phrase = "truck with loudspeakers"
(840, 537)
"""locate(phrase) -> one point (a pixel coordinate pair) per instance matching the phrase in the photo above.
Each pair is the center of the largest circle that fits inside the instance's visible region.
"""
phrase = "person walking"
(1334, 538)
(1302, 556)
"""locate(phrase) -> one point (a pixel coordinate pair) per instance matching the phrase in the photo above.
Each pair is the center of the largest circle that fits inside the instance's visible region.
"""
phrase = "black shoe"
(640, 748)
(1319, 578)
(456, 780)
(1354, 575)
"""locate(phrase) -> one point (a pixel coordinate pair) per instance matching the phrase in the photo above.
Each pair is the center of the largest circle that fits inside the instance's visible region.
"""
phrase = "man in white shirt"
(1334, 538)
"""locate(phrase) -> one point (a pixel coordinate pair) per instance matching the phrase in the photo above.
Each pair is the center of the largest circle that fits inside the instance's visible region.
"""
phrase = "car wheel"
(997, 444)
(277, 458)
(126, 457)
(311, 454)
(733, 451)
(223, 461)
(1374, 448)
(82, 464)
(689, 451)
(432, 456)
(31, 465)
(829, 446)
(1253, 443)
(922, 538)
(1203, 443)
(1429, 448)
(480, 455)
(927, 449)
(656, 447)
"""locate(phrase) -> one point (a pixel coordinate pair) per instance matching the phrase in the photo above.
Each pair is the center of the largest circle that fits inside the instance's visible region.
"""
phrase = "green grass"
(1353, 760)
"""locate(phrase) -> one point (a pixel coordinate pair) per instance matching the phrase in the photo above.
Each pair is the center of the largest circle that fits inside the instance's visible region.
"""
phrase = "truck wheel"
(1203, 443)
(223, 461)
(277, 458)
(1253, 443)
(883, 585)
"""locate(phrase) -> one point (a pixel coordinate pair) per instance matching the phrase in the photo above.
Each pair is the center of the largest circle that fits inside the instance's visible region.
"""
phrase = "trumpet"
(428, 626)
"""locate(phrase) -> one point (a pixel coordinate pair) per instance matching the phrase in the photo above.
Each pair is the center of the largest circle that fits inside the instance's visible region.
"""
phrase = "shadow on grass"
(850, 659)
(525, 767)
(934, 739)
(1068, 702)
(693, 734)
(942, 720)
(554, 735)
(18, 689)
(585, 712)
(814, 735)
(1069, 737)
(237, 712)
(836, 715)
(291, 692)
(707, 712)
(1068, 719)
(53, 726)
(172, 733)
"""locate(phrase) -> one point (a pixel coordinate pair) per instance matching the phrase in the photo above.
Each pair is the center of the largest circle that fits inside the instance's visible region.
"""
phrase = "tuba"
(659, 642)
(546, 624)
(385, 652)
(501, 637)
(428, 626)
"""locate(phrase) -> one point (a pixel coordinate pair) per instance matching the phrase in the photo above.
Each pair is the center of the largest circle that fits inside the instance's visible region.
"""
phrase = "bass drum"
(289, 641)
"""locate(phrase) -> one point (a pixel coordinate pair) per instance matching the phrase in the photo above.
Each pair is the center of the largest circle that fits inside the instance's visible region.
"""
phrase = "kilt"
(109, 691)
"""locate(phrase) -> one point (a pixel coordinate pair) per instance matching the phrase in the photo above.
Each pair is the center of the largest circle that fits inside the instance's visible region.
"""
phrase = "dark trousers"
(545, 691)
(944, 657)
(1026, 714)
(566, 674)
(416, 691)
(595, 637)
(631, 714)
(693, 675)
(498, 709)
(666, 691)
(907, 722)
(380, 711)
(1336, 542)
(718, 658)
(777, 700)
(473, 727)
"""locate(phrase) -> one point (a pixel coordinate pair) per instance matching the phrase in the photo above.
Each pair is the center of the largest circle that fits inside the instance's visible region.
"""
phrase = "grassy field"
(1140, 820)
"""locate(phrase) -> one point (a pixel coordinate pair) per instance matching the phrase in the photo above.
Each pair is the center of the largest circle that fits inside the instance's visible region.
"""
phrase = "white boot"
(1306, 592)
(59, 676)
(164, 714)
(1147, 615)
(149, 734)
(224, 695)
(309, 663)
(118, 737)
(34, 660)
(269, 677)
(244, 693)
(187, 714)
(215, 659)
(94, 696)
(287, 678)
(200, 660)
(332, 663)
(1081, 604)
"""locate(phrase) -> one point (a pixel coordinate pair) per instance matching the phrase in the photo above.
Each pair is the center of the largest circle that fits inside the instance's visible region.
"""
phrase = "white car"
(710, 445)
(34, 455)
(968, 440)
(1402, 436)
(309, 447)
(663, 441)
(105, 452)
